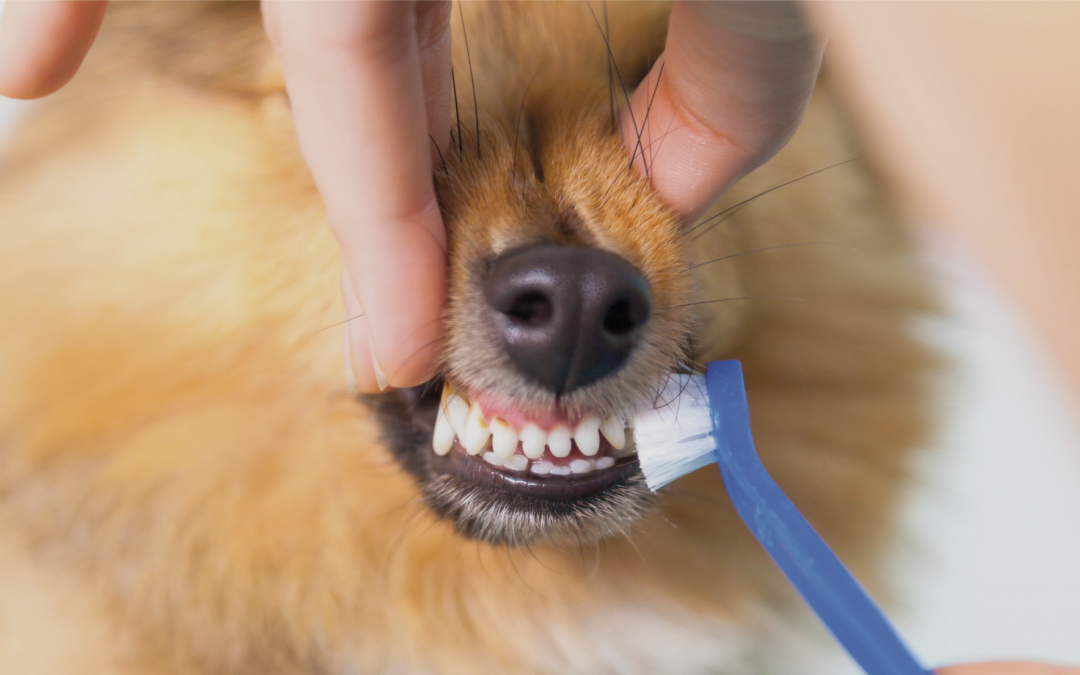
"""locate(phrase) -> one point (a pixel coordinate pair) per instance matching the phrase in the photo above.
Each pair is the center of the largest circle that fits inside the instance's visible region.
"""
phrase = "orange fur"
(185, 484)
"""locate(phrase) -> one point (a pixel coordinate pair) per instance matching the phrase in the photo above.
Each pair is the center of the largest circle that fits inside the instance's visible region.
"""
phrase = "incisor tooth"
(558, 441)
(587, 435)
(614, 431)
(605, 463)
(533, 440)
(476, 431)
(504, 440)
(582, 465)
(516, 463)
(457, 411)
(541, 468)
(443, 437)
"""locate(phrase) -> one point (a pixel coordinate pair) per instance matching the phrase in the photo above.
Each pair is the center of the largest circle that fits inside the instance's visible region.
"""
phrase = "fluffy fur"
(186, 487)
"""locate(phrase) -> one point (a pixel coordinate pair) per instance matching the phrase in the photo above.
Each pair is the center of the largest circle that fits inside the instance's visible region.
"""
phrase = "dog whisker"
(645, 121)
(472, 78)
(769, 248)
(762, 194)
(709, 302)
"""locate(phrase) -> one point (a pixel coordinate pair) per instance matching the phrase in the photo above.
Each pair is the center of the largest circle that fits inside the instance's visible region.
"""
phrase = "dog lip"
(550, 488)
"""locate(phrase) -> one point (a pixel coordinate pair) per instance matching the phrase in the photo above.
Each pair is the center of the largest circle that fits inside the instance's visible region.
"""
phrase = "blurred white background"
(993, 570)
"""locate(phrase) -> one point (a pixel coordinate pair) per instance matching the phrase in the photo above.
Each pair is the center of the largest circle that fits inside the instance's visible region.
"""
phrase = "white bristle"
(675, 437)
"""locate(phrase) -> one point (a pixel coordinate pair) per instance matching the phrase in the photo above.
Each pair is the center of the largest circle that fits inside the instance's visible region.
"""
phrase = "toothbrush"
(704, 419)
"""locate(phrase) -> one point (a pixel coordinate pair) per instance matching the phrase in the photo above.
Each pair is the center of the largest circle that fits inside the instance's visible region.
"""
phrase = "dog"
(187, 486)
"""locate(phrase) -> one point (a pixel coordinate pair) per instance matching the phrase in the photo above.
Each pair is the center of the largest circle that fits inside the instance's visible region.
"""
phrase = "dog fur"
(186, 486)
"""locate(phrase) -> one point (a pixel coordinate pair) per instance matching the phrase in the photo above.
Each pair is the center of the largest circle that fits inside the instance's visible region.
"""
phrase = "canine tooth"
(517, 463)
(541, 468)
(443, 437)
(457, 411)
(557, 470)
(605, 463)
(582, 465)
(558, 441)
(492, 458)
(533, 440)
(587, 435)
(615, 431)
(504, 439)
(630, 448)
(476, 431)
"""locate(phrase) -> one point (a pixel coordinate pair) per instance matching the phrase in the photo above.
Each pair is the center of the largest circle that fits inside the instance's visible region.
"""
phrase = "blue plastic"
(819, 576)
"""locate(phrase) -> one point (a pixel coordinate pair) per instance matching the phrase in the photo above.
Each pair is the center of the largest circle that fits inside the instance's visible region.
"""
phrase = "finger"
(42, 44)
(369, 86)
(356, 341)
(728, 92)
(1010, 668)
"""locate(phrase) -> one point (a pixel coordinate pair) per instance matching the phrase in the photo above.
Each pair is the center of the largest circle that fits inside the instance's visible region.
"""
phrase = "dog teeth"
(517, 463)
(496, 442)
(477, 432)
(541, 468)
(533, 440)
(504, 439)
(582, 465)
(558, 441)
(443, 437)
(628, 449)
(587, 435)
(614, 431)
(457, 411)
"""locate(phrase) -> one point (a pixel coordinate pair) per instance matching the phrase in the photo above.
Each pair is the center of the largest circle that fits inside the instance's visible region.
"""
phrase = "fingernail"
(380, 376)
(350, 375)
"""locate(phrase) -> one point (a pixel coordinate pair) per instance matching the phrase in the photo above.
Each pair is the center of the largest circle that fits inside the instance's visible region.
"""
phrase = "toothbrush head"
(675, 436)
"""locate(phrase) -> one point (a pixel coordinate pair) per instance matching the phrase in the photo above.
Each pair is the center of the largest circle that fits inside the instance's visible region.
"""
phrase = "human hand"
(1010, 668)
(728, 92)
(369, 84)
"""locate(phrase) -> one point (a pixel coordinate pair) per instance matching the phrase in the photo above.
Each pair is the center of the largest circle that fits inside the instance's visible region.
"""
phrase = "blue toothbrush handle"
(815, 571)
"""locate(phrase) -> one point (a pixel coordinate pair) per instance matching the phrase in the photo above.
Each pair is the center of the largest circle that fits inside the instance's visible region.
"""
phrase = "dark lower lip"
(473, 469)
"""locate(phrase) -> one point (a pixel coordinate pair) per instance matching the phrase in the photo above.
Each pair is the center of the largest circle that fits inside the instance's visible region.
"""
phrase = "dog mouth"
(505, 472)
(545, 454)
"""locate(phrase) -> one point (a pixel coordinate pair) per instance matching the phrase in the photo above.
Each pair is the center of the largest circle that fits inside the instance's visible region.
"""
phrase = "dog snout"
(568, 315)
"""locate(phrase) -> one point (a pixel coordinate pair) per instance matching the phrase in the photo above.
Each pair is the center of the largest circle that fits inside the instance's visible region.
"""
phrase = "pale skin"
(370, 89)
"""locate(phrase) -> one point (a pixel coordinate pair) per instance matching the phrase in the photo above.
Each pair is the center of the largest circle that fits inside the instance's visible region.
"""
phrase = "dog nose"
(567, 315)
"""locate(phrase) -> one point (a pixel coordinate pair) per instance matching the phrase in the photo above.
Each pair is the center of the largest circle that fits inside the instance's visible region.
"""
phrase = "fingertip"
(685, 161)
(360, 377)
(1007, 668)
(43, 44)
(421, 364)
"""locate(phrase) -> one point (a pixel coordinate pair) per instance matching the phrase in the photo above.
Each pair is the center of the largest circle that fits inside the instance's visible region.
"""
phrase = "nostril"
(530, 309)
(620, 319)
(567, 315)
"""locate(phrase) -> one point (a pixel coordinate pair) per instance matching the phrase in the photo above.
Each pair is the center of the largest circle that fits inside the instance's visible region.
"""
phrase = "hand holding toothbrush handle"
(815, 571)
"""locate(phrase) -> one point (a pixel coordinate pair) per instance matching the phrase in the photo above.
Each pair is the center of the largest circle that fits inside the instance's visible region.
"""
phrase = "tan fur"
(186, 486)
